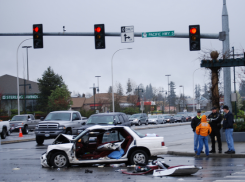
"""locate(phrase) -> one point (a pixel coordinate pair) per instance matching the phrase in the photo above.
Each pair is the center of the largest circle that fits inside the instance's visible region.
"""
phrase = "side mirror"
(114, 122)
(29, 119)
(41, 118)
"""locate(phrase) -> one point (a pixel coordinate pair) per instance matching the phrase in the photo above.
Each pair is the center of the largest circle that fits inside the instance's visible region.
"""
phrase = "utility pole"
(226, 52)
(139, 89)
(27, 59)
(168, 94)
(234, 82)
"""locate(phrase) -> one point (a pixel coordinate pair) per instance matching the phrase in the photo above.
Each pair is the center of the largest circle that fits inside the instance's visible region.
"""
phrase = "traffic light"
(194, 37)
(99, 36)
(37, 36)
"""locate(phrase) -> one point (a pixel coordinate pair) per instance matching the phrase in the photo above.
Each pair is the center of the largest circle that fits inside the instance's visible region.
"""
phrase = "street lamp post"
(27, 59)
(168, 93)
(98, 89)
(183, 95)
(113, 106)
(18, 89)
(163, 100)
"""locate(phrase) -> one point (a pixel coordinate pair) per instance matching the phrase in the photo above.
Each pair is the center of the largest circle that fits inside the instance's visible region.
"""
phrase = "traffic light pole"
(220, 36)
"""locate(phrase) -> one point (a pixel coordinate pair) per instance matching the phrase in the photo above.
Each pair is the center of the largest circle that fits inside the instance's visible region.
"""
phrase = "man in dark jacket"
(215, 119)
(228, 127)
(195, 121)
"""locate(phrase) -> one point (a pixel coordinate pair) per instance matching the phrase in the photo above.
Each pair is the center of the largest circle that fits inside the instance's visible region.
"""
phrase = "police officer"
(194, 122)
(215, 119)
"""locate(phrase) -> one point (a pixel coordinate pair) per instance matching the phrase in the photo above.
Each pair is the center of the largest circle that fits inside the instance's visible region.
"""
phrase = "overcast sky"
(76, 59)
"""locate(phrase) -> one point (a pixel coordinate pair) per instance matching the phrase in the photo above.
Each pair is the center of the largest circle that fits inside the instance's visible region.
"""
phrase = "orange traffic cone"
(20, 133)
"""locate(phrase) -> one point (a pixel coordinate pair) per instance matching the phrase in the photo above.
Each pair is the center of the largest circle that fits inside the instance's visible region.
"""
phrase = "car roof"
(109, 114)
(63, 111)
(105, 127)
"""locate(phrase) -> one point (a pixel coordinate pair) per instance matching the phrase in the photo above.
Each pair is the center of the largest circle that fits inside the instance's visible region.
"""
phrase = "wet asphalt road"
(20, 162)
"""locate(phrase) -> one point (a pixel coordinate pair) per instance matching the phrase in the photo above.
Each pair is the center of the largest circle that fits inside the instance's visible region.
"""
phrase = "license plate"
(47, 135)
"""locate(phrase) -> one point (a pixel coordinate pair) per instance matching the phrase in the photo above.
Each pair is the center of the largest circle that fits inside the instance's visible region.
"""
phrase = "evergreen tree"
(129, 87)
(49, 81)
(119, 89)
(197, 91)
(110, 89)
(172, 95)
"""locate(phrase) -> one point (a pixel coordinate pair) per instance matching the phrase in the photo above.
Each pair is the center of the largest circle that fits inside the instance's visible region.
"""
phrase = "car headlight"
(79, 131)
(135, 119)
(168, 119)
(62, 127)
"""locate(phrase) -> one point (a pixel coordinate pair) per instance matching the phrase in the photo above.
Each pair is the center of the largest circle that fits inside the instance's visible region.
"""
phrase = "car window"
(99, 119)
(78, 116)
(110, 136)
(19, 118)
(121, 119)
(125, 117)
(116, 118)
(135, 116)
(74, 116)
(32, 117)
(58, 116)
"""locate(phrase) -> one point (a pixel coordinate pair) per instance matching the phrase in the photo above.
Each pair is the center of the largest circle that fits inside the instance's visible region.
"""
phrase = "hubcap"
(139, 158)
(60, 160)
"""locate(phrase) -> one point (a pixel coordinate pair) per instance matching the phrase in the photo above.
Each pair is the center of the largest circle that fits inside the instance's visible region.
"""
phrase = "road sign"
(157, 34)
(127, 34)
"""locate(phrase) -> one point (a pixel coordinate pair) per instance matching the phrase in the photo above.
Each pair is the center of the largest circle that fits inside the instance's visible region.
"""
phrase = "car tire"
(25, 130)
(59, 160)
(4, 133)
(138, 156)
(146, 123)
(39, 140)
(139, 123)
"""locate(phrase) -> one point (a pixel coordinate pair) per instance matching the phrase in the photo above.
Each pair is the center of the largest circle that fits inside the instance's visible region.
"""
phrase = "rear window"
(139, 134)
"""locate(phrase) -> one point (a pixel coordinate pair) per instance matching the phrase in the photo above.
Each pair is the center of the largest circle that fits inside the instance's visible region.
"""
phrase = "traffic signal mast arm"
(220, 36)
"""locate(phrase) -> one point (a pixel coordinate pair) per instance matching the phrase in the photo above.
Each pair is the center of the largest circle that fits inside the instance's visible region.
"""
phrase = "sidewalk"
(14, 138)
(186, 148)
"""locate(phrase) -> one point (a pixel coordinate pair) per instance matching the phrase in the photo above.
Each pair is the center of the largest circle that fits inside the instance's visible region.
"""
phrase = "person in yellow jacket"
(203, 129)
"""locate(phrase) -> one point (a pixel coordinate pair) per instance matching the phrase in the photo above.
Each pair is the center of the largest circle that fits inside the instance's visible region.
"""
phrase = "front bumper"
(44, 161)
(134, 122)
(152, 122)
(49, 134)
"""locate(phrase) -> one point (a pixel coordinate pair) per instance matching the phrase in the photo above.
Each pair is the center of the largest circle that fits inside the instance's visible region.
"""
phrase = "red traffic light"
(98, 29)
(193, 30)
(36, 29)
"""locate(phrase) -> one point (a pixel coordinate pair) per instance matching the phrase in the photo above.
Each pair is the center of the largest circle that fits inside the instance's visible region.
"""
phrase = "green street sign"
(157, 34)
(14, 97)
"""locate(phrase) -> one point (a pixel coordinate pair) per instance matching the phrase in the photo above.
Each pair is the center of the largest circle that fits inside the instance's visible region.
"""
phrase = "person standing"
(203, 129)
(194, 122)
(228, 127)
(214, 120)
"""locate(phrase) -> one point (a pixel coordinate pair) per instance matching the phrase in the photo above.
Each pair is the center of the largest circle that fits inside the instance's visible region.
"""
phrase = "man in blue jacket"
(228, 127)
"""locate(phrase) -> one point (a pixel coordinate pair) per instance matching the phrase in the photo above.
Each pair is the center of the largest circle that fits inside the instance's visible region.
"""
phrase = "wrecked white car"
(102, 144)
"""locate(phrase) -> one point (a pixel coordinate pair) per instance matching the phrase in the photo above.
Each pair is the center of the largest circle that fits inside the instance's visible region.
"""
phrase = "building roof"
(8, 85)
(78, 101)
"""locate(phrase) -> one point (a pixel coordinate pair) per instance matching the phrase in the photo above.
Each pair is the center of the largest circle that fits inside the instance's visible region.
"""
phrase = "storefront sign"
(14, 97)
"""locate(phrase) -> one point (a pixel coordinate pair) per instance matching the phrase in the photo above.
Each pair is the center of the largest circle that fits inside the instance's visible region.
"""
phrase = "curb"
(190, 154)
(161, 126)
(17, 141)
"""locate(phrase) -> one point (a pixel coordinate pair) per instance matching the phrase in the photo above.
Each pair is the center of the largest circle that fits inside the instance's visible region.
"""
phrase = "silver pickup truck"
(58, 122)
(24, 121)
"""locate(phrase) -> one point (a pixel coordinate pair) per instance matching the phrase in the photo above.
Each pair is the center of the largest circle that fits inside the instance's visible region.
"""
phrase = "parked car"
(58, 122)
(138, 119)
(96, 144)
(24, 121)
(4, 129)
(155, 119)
(178, 118)
(168, 119)
(116, 118)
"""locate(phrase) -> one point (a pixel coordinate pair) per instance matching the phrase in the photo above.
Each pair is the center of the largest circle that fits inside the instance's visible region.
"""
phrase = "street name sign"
(157, 34)
(127, 34)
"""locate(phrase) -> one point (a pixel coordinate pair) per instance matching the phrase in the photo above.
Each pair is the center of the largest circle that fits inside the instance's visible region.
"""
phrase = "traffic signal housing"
(99, 36)
(194, 38)
(37, 36)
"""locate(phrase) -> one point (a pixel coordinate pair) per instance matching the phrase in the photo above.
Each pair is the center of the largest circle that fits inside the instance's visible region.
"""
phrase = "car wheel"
(39, 140)
(25, 130)
(146, 123)
(139, 123)
(139, 156)
(4, 133)
(59, 160)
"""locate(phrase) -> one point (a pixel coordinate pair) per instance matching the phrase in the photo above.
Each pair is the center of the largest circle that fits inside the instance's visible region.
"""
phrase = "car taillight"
(163, 144)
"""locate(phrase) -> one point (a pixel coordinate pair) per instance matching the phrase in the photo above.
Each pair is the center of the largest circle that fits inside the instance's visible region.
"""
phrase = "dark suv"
(116, 118)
